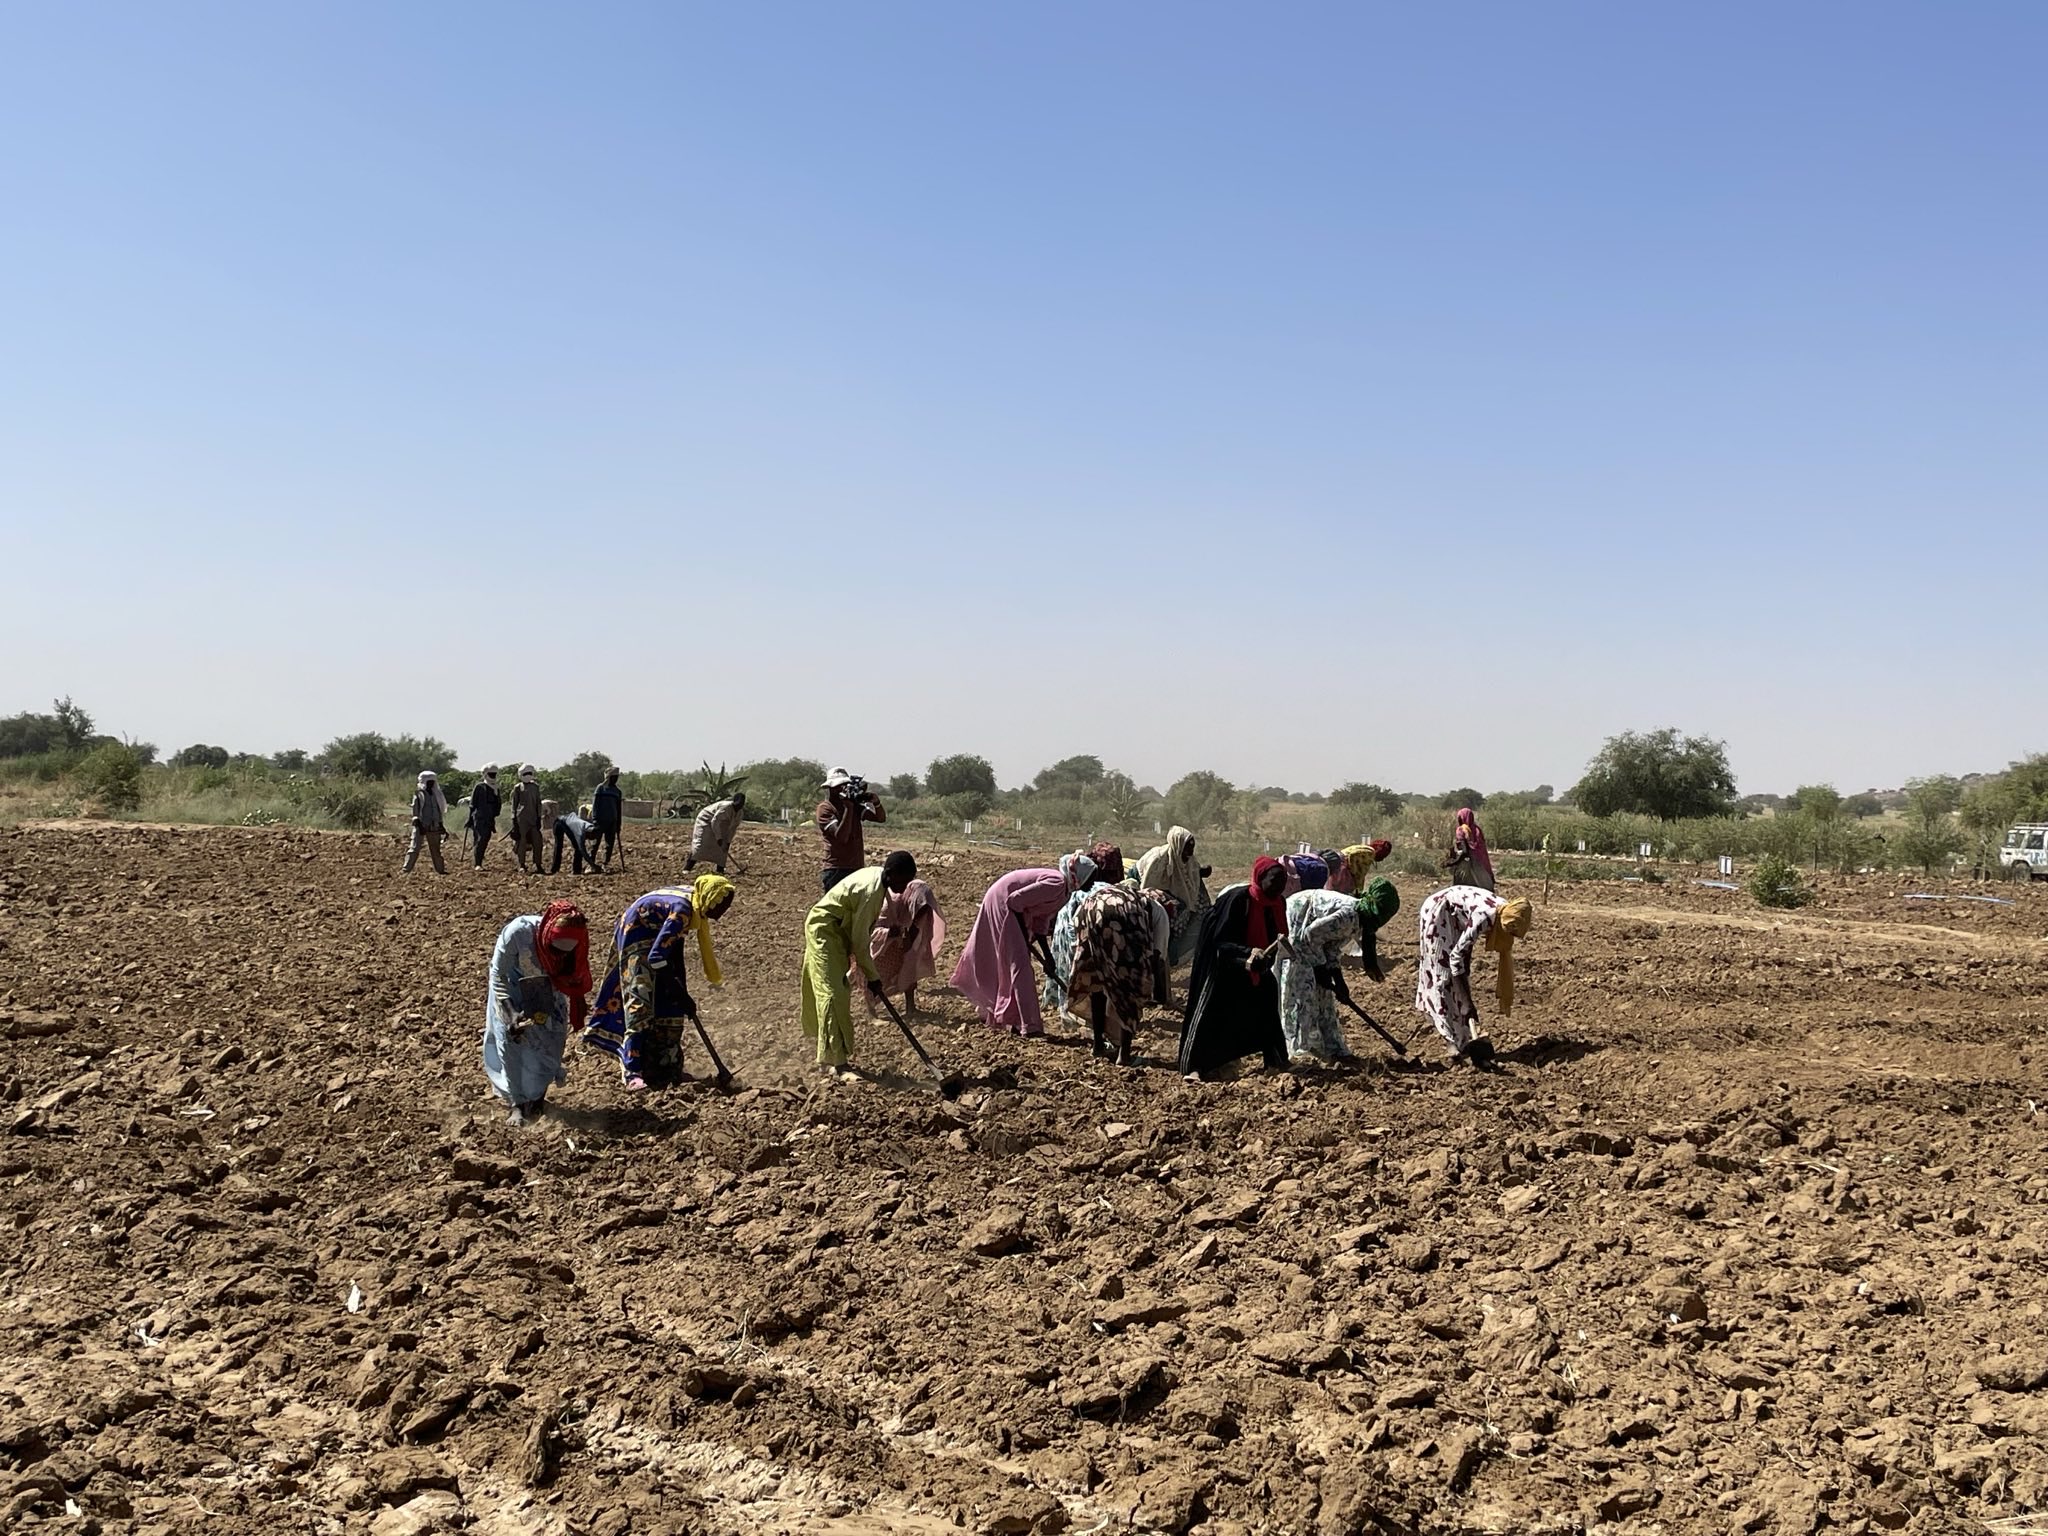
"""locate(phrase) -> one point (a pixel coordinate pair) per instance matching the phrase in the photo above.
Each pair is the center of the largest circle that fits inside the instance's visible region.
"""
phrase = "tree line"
(1664, 775)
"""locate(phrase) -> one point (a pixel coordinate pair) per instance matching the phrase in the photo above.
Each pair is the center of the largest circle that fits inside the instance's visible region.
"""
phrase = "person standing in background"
(484, 806)
(1469, 862)
(847, 804)
(429, 822)
(526, 807)
(608, 814)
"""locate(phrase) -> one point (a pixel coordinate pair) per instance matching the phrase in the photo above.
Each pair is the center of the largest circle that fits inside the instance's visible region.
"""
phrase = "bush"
(967, 805)
(112, 776)
(352, 807)
(1775, 883)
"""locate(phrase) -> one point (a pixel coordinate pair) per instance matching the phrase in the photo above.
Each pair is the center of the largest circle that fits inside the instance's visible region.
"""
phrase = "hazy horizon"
(1309, 394)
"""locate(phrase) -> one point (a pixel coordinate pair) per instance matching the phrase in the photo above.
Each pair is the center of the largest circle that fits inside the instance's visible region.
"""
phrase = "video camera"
(856, 787)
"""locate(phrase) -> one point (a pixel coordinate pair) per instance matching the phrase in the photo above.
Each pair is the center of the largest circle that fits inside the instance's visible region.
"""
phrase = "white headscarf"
(1079, 870)
(1171, 868)
(429, 785)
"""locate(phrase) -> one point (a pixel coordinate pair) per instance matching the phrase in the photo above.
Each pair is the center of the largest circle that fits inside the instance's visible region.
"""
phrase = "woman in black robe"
(1233, 998)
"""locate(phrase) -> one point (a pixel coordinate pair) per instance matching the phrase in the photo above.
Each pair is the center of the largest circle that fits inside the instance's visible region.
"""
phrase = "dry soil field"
(1746, 1234)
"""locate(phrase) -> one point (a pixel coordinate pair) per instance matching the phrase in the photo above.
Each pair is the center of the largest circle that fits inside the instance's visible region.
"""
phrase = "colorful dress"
(1453, 921)
(644, 1006)
(907, 939)
(1113, 955)
(994, 972)
(839, 929)
(526, 1020)
(1052, 990)
(1321, 926)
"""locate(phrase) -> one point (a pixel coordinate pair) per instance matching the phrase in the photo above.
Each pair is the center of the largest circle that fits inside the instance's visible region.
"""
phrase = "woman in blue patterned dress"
(540, 975)
(645, 1001)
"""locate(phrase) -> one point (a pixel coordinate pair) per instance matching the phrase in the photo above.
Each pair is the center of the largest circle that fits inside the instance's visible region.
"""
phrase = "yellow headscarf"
(705, 893)
(1509, 924)
(1361, 858)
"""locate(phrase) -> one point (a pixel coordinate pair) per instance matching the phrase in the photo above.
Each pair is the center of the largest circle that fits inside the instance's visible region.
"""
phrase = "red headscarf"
(570, 973)
(1268, 919)
(1380, 849)
(1109, 862)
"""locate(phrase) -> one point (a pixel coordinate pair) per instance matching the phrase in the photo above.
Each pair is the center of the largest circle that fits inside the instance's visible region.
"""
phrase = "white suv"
(2025, 854)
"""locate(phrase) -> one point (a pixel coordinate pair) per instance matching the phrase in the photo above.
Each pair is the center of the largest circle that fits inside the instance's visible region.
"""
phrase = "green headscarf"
(1376, 903)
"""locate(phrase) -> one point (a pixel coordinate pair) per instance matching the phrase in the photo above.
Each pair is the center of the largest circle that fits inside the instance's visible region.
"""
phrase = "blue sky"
(1306, 392)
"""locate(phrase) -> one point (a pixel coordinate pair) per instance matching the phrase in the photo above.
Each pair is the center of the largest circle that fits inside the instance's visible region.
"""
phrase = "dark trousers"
(482, 833)
(563, 834)
(605, 844)
(832, 877)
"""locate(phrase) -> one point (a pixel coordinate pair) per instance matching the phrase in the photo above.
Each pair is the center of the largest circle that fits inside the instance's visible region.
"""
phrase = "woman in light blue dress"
(540, 976)
(1321, 926)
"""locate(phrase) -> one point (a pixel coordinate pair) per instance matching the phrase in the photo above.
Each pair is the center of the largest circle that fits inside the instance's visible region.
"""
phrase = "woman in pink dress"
(994, 972)
(906, 942)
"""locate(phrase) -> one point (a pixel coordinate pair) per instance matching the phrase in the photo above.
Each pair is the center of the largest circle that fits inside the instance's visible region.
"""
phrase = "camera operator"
(847, 804)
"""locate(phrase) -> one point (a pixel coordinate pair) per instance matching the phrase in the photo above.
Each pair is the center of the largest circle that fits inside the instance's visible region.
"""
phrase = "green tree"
(74, 725)
(1126, 804)
(1201, 802)
(291, 761)
(365, 755)
(1863, 806)
(587, 768)
(905, 786)
(961, 774)
(200, 756)
(1932, 839)
(1657, 773)
(1071, 777)
(2027, 784)
(1369, 796)
(778, 783)
(111, 775)
(1985, 811)
(1819, 803)
(66, 729)
(412, 755)
(1458, 799)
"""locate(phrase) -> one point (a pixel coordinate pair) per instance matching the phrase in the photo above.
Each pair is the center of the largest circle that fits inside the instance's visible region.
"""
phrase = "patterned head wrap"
(1109, 862)
(1359, 858)
(1078, 869)
(706, 892)
(1511, 922)
(570, 973)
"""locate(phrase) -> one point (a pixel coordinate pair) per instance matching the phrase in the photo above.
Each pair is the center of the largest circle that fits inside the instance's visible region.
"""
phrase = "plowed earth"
(1746, 1232)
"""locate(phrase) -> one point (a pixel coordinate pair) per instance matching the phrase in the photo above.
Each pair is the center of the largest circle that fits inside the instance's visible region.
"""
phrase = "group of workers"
(1267, 954)
(591, 831)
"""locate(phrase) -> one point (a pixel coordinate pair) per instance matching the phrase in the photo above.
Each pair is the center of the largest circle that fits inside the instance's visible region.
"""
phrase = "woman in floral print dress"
(1454, 921)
